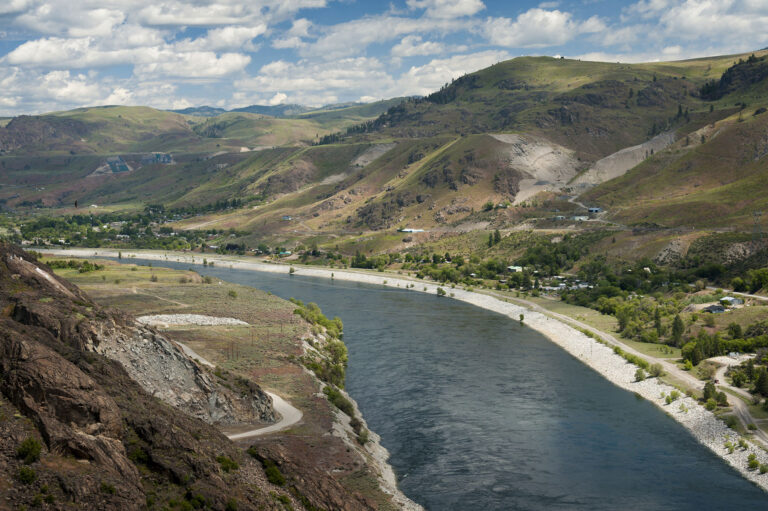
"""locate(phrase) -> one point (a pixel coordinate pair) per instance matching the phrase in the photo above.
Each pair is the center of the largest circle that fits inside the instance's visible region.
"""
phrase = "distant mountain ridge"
(280, 111)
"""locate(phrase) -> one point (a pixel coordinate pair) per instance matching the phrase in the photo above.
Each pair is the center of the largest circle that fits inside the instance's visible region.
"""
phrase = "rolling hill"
(667, 144)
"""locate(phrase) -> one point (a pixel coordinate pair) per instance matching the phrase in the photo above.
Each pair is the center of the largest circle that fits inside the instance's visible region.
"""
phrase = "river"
(480, 412)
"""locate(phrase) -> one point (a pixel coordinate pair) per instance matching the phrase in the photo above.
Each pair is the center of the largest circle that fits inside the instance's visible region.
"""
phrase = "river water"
(481, 413)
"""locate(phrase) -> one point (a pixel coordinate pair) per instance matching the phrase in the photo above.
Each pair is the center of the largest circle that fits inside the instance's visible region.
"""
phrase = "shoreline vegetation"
(612, 363)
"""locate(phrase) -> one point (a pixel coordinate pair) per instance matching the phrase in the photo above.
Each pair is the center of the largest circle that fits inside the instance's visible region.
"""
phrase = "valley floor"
(560, 329)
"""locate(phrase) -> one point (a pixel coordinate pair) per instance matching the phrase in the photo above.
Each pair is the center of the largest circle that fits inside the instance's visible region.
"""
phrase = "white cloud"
(314, 83)
(425, 79)
(223, 38)
(413, 45)
(538, 28)
(294, 36)
(277, 99)
(198, 64)
(447, 8)
(61, 17)
(353, 37)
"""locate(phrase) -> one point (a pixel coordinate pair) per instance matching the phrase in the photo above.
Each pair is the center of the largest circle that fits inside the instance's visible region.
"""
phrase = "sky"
(62, 54)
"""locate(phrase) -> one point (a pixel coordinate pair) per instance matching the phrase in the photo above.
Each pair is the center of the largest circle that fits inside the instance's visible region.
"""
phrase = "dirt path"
(739, 406)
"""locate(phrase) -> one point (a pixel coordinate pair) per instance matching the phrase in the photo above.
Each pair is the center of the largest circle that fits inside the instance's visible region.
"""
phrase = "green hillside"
(501, 147)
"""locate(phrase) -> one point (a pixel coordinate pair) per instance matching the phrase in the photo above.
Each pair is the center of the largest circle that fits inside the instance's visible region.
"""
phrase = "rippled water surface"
(480, 413)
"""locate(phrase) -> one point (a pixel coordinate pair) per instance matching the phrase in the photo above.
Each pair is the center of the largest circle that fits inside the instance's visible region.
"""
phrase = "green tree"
(657, 321)
(678, 328)
(710, 392)
(490, 240)
(761, 384)
(496, 236)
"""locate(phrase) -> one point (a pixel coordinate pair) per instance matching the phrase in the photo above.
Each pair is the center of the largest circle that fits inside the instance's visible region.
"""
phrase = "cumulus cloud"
(421, 80)
(447, 8)
(315, 83)
(353, 37)
(539, 28)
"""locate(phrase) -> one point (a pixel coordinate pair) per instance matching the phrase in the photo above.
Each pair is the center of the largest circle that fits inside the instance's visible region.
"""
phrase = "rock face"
(156, 363)
(66, 366)
(163, 370)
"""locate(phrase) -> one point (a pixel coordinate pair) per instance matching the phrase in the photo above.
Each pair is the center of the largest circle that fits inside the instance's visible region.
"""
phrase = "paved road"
(745, 295)
(289, 413)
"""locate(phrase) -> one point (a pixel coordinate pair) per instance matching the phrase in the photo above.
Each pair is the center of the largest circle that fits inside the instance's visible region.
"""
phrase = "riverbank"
(704, 426)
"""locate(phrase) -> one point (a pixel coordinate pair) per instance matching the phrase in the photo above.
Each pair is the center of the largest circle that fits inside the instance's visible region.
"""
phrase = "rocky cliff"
(77, 428)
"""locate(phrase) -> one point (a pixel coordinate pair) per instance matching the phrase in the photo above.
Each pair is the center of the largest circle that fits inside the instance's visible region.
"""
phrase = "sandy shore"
(702, 424)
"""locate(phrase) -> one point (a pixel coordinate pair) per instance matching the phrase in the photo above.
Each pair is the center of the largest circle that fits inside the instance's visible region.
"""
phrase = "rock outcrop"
(105, 442)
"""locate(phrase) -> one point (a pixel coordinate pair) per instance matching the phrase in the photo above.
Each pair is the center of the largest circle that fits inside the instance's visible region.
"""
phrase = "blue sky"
(61, 54)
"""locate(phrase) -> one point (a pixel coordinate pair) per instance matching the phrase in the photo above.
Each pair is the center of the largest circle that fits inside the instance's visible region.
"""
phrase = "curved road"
(289, 414)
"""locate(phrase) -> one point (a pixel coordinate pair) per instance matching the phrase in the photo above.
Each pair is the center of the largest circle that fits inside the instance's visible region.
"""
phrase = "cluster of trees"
(494, 238)
(551, 258)
(755, 281)
(330, 364)
(80, 266)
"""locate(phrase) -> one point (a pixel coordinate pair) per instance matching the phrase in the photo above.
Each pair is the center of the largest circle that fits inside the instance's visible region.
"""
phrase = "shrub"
(711, 404)
(273, 473)
(26, 475)
(227, 464)
(763, 469)
(722, 399)
(743, 444)
(231, 505)
(440, 291)
(753, 464)
(362, 437)
(107, 488)
(688, 365)
(656, 370)
(232, 293)
(338, 400)
(675, 395)
(153, 278)
(751, 426)
(639, 374)
(29, 450)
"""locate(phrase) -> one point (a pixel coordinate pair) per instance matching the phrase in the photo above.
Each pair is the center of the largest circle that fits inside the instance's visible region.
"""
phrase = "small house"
(287, 217)
(409, 229)
(515, 269)
(559, 217)
(594, 210)
(581, 218)
(730, 301)
(714, 309)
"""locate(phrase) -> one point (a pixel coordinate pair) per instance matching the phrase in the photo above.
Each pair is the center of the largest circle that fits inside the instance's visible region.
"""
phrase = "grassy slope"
(712, 184)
